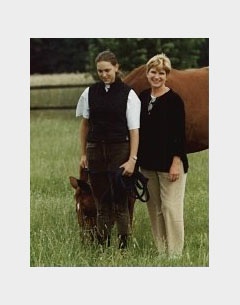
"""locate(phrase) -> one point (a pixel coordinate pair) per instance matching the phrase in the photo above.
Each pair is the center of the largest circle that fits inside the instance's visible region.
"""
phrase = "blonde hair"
(159, 61)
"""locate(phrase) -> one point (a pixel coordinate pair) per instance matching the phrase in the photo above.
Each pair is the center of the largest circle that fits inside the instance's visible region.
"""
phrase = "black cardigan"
(162, 132)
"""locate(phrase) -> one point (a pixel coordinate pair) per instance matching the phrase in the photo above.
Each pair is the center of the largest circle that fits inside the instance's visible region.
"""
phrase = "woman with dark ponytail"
(109, 137)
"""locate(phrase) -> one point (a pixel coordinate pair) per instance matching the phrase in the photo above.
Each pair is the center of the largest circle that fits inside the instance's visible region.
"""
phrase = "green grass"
(56, 97)
(54, 232)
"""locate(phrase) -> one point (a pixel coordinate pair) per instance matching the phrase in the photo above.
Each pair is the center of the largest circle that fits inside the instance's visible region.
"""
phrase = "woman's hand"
(128, 167)
(83, 162)
(174, 171)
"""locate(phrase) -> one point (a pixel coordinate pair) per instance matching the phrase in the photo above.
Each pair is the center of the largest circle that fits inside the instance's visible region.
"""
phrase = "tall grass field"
(54, 232)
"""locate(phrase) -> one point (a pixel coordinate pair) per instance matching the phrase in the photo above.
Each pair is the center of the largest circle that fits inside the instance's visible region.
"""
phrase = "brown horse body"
(193, 87)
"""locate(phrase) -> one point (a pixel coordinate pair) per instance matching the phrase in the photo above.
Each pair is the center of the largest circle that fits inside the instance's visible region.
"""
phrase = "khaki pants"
(165, 208)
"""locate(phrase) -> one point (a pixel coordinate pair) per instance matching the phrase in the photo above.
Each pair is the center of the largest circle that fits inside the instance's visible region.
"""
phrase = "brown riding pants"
(103, 160)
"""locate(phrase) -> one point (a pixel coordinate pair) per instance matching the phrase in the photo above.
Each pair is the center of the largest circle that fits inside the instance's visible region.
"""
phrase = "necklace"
(151, 103)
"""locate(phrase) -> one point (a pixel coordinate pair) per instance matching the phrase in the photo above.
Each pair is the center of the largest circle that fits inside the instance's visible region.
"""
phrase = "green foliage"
(57, 55)
(54, 232)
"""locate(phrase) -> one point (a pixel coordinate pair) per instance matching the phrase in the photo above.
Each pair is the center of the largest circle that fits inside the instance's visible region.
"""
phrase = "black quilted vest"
(107, 119)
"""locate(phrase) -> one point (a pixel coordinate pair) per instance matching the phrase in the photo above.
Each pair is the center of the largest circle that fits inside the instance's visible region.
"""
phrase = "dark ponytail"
(109, 56)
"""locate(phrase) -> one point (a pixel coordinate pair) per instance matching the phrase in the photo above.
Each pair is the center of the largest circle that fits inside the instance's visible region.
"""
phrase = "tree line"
(66, 55)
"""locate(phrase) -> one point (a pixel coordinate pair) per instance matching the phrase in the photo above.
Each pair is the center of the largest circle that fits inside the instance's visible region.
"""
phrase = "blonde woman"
(162, 156)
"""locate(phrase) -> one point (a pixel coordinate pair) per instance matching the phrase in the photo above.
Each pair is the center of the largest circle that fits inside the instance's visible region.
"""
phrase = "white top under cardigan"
(132, 112)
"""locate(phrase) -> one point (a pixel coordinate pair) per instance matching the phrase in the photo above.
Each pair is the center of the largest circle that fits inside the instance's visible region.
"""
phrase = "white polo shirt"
(132, 112)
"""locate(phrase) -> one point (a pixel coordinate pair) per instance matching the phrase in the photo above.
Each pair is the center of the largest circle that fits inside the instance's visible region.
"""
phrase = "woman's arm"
(130, 164)
(178, 145)
(134, 142)
(83, 142)
(133, 119)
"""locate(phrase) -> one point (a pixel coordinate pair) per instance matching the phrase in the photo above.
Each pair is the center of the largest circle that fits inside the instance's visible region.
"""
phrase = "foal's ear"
(73, 182)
